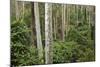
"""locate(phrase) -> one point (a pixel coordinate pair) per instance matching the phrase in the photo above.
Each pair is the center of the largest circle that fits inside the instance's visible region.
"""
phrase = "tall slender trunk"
(54, 28)
(77, 21)
(89, 21)
(38, 31)
(51, 36)
(17, 9)
(93, 24)
(68, 18)
(89, 16)
(33, 32)
(63, 22)
(48, 33)
(23, 7)
(82, 16)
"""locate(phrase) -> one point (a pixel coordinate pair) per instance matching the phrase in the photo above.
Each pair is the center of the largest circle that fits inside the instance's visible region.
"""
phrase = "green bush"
(23, 55)
(65, 52)
(22, 52)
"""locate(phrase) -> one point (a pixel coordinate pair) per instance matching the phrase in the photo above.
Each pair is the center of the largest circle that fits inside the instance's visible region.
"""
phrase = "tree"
(38, 31)
(23, 7)
(77, 21)
(82, 16)
(68, 19)
(54, 12)
(63, 21)
(17, 9)
(32, 25)
(48, 33)
(54, 20)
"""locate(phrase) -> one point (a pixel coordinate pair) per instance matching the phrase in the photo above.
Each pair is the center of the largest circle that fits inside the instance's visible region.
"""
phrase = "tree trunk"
(33, 32)
(89, 16)
(63, 22)
(77, 21)
(23, 5)
(82, 17)
(68, 19)
(90, 21)
(17, 9)
(54, 28)
(38, 32)
(48, 33)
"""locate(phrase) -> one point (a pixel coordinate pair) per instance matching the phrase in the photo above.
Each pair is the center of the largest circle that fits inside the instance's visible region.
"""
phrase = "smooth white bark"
(38, 31)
